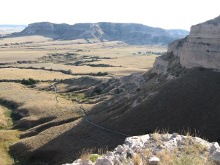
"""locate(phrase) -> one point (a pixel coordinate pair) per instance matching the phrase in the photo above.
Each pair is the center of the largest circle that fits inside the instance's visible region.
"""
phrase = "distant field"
(118, 59)
(23, 40)
(14, 55)
(19, 74)
(118, 71)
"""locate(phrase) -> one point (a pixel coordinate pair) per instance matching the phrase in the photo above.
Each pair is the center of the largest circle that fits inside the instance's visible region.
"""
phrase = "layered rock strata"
(201, 48)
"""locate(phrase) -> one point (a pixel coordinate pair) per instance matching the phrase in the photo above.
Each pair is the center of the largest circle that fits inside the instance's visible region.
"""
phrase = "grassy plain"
(120, 59)
(19, 74)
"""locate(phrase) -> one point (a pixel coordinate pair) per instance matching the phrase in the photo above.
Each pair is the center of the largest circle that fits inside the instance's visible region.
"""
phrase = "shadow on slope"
(190, 102)
(66, 147)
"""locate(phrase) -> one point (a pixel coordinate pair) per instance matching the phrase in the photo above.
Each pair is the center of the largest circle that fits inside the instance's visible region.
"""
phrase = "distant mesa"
(130, 33)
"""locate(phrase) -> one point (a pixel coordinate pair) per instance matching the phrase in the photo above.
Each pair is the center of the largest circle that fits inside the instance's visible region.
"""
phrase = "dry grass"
(33, 39)
(14, 55)
(187, 157)
(86, 154)
(137, 159)
(165, 157)
(113, 71)
(190, 160)
(7, 138)
(191, 153)
(5, 120)
(19, 74)
(122, 55)
(37, 103)
(156, 136)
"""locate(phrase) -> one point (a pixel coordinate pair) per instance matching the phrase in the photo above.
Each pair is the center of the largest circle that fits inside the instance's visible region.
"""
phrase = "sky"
(167, 14)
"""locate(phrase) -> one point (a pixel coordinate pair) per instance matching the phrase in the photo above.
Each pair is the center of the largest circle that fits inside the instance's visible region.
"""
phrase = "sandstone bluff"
(200, 49)
(130, 33)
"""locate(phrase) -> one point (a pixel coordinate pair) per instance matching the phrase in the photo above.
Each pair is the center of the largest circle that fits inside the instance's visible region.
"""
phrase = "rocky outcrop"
(160, 66)
(201, 48)
(130, 33)
(156, 149)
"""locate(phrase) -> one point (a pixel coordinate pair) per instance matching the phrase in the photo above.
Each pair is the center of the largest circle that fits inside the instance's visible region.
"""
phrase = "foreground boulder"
(159, 148)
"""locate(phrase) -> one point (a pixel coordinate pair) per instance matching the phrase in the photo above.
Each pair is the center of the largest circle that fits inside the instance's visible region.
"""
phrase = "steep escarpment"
(130, 33)
(180, 92)
(201, 47)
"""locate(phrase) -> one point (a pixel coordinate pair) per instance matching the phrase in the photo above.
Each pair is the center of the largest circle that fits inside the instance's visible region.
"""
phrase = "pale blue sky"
(168, 14)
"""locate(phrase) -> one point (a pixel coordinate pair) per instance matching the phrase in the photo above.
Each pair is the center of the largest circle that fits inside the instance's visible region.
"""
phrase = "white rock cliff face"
(201, 48)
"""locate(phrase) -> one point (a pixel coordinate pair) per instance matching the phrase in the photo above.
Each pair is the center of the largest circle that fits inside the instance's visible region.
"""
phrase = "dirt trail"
(99, 126)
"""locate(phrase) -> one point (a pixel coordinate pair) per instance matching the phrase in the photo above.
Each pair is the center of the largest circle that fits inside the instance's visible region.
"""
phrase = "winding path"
(99, 126)
(89, 121)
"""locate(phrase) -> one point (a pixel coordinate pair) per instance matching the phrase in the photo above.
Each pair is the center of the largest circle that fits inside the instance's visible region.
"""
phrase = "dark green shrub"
(29, 81)
(101, 74)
